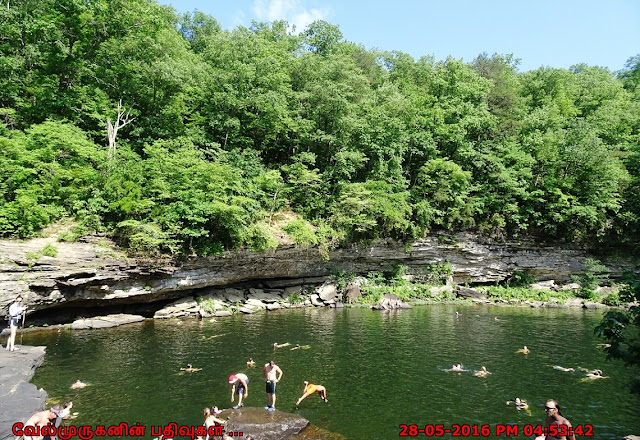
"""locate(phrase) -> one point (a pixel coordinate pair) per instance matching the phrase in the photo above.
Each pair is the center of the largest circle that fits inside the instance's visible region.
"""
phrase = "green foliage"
(621, 328)
(234, 126)
(294, 298)
(342, 278)
(438, 273)
(208, 305)
(301, 232)
(50, 251)
(521, 279)
(523, 293)
(593, 275)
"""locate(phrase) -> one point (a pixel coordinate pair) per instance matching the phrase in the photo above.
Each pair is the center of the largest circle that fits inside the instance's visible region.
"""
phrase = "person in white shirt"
(15, 315)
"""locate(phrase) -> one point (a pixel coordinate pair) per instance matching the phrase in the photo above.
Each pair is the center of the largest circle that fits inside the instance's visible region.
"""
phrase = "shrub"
(521, 279)
(301, 232)
(50, 251)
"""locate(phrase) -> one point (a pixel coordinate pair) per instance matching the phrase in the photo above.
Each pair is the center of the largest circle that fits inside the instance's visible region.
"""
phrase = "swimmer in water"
(298, 347)
(276, 345)
(596, 374)
(457, 367)
(558, 367)
(190, 369)
(482, 372)
(524, 350)
(309, 389)
(251, 362)
(519, 403)
(78, 384)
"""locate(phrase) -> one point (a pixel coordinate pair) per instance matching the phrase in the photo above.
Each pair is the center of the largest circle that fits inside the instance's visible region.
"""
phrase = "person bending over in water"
(481, 372)
(78, 384)
(524, 350)
(309, 389)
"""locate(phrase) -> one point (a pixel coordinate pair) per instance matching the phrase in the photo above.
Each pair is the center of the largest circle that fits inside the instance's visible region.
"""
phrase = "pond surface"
(381, 369)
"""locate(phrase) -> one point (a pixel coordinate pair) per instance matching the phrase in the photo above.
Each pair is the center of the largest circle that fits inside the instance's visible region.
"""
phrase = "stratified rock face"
(82, 276)
(260, 424)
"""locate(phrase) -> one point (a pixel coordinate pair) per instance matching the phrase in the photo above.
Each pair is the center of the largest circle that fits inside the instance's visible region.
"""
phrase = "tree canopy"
(229, 128)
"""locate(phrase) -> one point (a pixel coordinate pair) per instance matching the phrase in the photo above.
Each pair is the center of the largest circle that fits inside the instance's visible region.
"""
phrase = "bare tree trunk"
(123, 118)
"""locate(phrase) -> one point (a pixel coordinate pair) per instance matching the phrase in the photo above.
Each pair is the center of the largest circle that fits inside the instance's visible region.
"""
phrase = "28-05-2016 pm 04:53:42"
(432, 430)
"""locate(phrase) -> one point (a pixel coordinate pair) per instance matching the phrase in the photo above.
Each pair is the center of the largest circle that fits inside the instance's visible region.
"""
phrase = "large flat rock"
(19, 399)
(260, 424)
(105, 321)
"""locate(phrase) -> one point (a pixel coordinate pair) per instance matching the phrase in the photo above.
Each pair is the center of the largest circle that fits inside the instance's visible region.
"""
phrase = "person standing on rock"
(272, 375)
(15, 315)
(242, 381)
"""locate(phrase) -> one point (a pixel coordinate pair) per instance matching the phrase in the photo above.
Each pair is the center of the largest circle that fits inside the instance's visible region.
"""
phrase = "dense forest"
(173, 135)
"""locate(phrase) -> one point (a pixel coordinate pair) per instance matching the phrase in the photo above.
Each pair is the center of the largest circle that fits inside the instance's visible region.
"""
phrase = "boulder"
(183, 307)
(274, 306)
(327, 291)
(105, 321)
(253, 303)
(315, 300)
(222, 313)
(351, 293)
(233, 295)
(545, 285)
(468, 292)
(391, 301)
(260, 424)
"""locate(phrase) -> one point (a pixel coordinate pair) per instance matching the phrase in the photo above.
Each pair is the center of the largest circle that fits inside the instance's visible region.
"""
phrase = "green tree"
(621, 328)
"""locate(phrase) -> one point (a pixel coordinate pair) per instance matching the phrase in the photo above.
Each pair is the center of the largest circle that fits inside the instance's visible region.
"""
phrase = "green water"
(381, 369)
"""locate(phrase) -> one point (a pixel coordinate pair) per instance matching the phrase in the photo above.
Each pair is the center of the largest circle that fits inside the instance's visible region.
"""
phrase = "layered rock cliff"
(92, 278)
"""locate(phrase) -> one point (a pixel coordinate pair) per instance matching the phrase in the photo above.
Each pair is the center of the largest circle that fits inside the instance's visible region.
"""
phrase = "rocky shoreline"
(95, 278)
(19, 399)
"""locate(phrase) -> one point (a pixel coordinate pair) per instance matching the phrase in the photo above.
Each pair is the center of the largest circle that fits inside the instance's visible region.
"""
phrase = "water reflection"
(381, 369)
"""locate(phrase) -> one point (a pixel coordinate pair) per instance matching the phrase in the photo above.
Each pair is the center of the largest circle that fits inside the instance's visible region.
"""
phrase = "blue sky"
(554, 33)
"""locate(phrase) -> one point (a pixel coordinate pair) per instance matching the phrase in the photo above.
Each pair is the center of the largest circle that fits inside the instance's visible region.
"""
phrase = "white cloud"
(293, 11)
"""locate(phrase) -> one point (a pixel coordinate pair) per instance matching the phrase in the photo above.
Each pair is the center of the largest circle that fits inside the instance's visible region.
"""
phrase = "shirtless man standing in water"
(269, 372)
(555, 418)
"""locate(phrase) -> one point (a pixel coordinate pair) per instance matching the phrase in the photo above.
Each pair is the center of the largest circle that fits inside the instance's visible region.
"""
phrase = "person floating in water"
(482, 372)
(251, 362)
(190, 369)
(558, 367)
(309, 389)
(78, 384)
(298, 347)
(276, 345)
(242, 382)
(595, 374)
(524, 350)
(457, 367)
